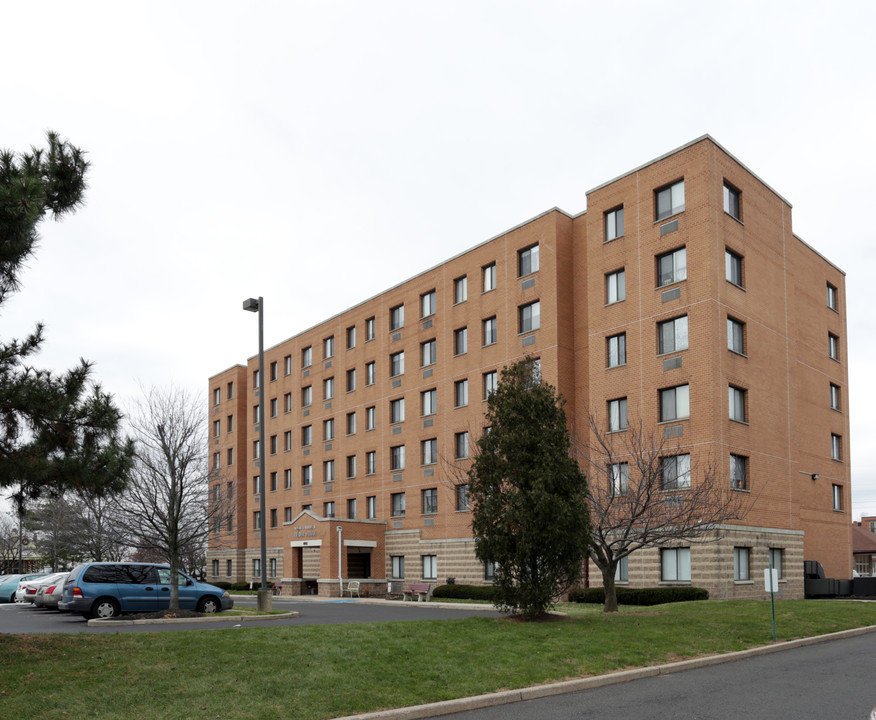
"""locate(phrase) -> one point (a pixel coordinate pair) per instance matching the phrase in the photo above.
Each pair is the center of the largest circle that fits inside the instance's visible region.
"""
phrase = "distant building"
(681, 296)
(864, 546)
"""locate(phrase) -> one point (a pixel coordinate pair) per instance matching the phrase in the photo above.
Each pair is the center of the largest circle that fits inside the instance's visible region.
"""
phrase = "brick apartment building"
(681, 297)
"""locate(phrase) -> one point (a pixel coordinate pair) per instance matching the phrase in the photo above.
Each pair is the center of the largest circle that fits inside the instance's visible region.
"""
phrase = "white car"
(27, 589)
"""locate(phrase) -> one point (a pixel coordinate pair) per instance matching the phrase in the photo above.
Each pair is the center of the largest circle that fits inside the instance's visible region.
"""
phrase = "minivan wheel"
(104, 608)
(209, 604)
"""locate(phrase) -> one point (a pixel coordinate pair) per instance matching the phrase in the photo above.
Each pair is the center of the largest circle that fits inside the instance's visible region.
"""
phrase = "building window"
(675, 472)
(617, 415)
(287, 479)
(217, 396)
(257, 520)
(256, 566)
(831, 297)
(370, 418)
(328, 388)
(328, 471)
(273, 370)
(398, 504)
(460, 444)
(328, 429)
(834, 397)
(397, 458)
(462, 497)
(370, 373)
(217, 460)
(371, 507)
(287, 402)
(490, 331)
(832, 346)
(217, 425)
(619, 477)
(429, 451)
(397, 410)
(735, 336)
(460, 341)
(489, 277)
(460, 289)
(430, 567)
(491, 382)
(741, 570)
(351, 337)
(231, 456)
(215, 568)
(273, 407)
(429, 353)
(351, 379)
(675, 403)
(616, 350)
(530, 317)
(489, 570)
(256, 379)
(669, 200)
(230, 391)
(615, 287)
(672, 267)
(287, 514)
(328, 347)
(307, 475)
(228, 567)
(273, 517)
(738, 472)
(675, 564)
(256, 415)
(427, 304)
(371, 462)
(460, 393)
(622, 571)
(351, 466)
(614, 224)
(397, 364)
(672, 335)
(396, 317)
(837, 492)
(307, 435)
(527, 261)
(287, 365)
(777, 560)
(836, 446)
(398, 567)
(256, 450)
(328, 509)
(307, 396)
(430, 501)
(736, 400)
(428, 402)
(369, 329)
(307, 357)
(733, 268)
(351, 423)
(732, 205)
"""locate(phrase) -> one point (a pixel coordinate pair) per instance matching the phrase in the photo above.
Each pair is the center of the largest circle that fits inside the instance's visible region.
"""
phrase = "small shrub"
(640, 596)
(465, 592)
(222, 584)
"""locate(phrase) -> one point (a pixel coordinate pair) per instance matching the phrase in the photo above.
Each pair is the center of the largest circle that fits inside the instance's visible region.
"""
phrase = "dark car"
(104, 590)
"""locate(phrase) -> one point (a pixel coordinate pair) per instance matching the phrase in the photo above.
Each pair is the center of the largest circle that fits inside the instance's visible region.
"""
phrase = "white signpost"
(771, 585)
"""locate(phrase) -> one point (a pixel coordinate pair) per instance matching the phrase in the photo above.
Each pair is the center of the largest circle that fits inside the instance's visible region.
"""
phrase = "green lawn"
(328, 671)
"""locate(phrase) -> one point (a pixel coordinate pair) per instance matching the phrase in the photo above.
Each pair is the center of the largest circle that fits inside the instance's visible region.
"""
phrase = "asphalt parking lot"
(24, 619)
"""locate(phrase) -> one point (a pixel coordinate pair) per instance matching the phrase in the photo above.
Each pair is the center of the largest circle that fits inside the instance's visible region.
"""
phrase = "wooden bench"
(422, 590)
(353, 587)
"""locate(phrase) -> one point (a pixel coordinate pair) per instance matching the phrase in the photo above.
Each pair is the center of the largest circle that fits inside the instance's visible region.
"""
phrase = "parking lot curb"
(97, 622)
(475, 702)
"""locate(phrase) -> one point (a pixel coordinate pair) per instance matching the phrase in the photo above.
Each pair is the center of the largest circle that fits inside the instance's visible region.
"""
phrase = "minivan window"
(164, 577)
(124, 574)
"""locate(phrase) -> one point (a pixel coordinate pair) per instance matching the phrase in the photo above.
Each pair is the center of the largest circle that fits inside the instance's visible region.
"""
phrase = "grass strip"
(315, 672)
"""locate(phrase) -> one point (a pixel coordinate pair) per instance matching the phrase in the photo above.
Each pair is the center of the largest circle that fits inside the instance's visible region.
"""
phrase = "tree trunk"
(610, 590)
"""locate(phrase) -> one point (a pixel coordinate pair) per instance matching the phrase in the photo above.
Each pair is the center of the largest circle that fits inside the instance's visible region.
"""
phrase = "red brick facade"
(794, 394)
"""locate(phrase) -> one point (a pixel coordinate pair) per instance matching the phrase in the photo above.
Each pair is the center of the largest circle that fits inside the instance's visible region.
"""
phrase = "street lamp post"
(264, 594)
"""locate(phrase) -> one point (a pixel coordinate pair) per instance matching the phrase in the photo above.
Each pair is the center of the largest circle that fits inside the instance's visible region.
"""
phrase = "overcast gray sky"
(317, 153)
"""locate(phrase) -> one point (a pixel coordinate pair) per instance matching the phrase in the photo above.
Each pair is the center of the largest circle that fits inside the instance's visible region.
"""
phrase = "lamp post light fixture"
(264, 593)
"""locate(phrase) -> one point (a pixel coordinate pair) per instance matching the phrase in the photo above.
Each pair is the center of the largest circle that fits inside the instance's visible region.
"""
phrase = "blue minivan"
(106, 589)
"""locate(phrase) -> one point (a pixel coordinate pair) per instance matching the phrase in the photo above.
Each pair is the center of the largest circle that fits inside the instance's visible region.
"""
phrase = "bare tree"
(644, 494)
(98, 538)
(56, 526)
(9, 539)
(165, 511)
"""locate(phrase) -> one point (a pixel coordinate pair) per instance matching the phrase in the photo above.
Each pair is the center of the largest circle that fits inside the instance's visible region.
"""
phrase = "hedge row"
(641, 596)
(234, 587)
(465, 592)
